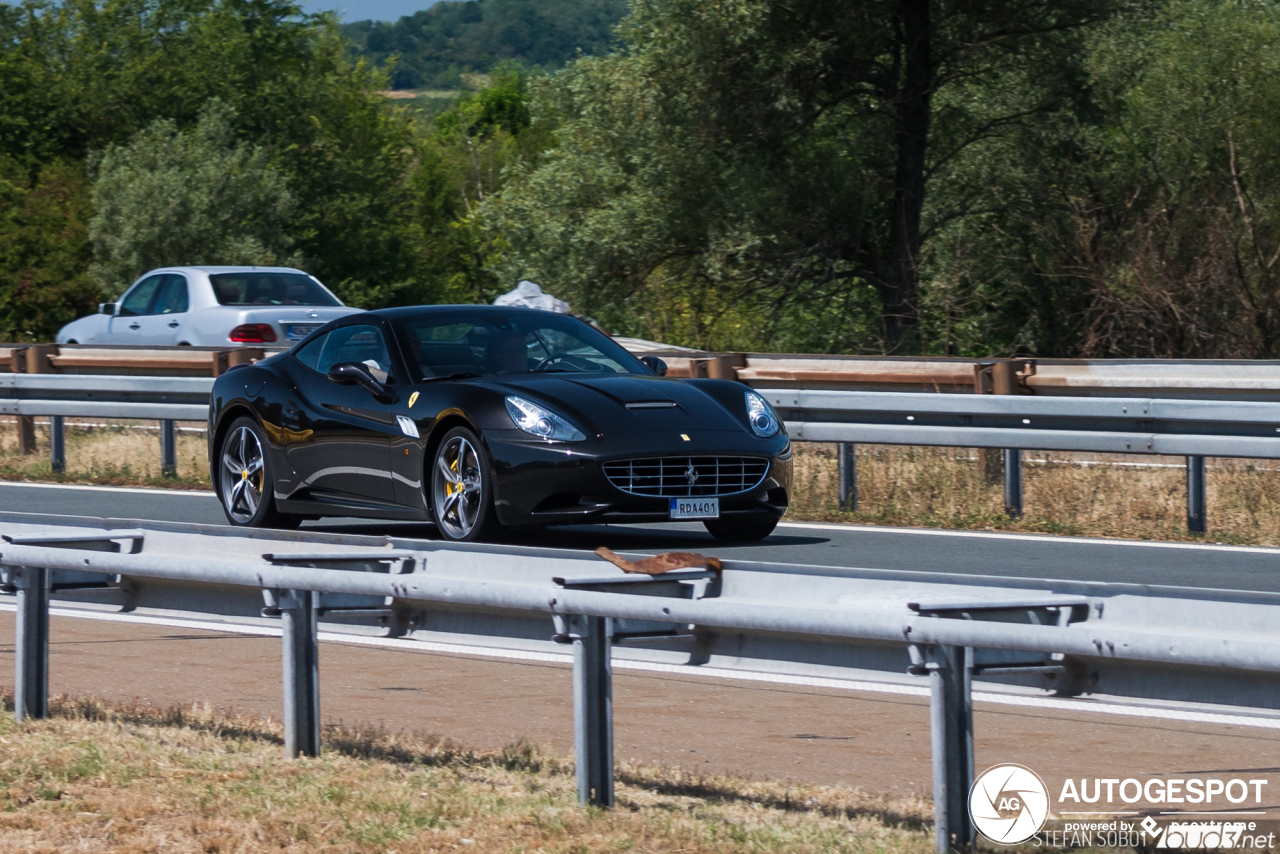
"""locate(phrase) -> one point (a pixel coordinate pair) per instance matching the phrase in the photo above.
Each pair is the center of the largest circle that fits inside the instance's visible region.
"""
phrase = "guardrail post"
(1013, 482)
(301, 672)
(1196, 521)
(31, 643)
(951, 726)
(168, 448)
(847, 467)
(593, 710)
(57, 443)
(26, 423)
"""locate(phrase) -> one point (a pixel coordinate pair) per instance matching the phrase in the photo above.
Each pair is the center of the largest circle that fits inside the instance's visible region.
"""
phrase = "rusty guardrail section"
(1186, 379)
(124, 361)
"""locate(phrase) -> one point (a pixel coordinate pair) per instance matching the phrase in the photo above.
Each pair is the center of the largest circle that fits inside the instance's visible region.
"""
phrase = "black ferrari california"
(480, 418)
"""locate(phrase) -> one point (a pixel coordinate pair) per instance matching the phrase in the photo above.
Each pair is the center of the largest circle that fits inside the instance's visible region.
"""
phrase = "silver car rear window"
(269, 289)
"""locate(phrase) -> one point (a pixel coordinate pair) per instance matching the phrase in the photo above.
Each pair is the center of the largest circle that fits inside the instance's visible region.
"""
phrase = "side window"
(355, 344)
(309, 354)
(173, 295)
(138, 301)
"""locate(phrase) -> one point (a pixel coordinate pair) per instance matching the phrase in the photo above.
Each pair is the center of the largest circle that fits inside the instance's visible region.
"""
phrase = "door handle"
(173, 324)
(135, 326)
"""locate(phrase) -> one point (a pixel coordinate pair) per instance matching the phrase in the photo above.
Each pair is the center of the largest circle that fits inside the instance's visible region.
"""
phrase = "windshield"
(269, 289)
(440, 344)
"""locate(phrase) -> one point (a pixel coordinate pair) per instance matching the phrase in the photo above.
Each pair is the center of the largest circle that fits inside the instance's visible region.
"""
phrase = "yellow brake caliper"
(448, 487)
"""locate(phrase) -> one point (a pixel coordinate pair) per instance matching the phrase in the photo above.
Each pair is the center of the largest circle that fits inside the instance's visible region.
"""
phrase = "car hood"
(628, 404)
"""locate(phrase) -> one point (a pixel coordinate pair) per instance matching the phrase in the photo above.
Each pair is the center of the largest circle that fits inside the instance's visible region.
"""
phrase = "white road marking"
(1101, 707)
(1029, 538)
(137, 489)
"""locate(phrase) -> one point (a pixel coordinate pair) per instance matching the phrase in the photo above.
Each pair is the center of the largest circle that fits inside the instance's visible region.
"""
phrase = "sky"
(365, 10)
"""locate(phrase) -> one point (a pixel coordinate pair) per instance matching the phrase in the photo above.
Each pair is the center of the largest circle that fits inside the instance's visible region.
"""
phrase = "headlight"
(760, 415)
(543, 423)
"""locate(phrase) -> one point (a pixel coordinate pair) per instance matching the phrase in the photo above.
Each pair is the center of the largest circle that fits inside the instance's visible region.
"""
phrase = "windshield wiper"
(458, 376)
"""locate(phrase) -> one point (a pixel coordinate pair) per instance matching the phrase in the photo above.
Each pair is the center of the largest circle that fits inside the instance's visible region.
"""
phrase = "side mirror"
(107, 308)
(655, 364)
(355, 373)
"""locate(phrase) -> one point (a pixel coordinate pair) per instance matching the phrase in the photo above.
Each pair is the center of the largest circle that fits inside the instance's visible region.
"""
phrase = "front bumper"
(563, 483)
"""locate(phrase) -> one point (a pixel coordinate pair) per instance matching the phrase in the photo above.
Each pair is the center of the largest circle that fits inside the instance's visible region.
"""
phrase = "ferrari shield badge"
(413, 398)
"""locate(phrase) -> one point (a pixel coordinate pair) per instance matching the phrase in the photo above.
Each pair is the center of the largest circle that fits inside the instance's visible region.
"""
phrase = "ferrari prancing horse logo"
(691, 474)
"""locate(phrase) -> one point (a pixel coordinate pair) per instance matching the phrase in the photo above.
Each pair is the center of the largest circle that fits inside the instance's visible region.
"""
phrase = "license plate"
(298, 331)
(695, 508)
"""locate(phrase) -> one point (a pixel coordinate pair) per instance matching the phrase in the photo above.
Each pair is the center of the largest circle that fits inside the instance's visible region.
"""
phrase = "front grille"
(687, 477)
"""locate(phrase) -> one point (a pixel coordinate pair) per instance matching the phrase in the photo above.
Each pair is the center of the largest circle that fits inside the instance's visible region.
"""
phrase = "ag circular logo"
(1009, 804)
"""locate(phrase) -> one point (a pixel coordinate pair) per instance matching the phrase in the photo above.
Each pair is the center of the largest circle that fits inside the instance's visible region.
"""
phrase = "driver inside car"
(508, 354)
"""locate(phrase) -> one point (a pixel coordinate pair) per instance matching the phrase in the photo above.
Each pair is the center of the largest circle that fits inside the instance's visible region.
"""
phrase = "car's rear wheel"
(462, 489)
(245, 479)
(743, 528)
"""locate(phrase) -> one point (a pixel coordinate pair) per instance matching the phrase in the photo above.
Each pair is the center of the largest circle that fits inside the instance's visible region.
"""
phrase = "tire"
(747, 529)
(461, 482)
(245, 478)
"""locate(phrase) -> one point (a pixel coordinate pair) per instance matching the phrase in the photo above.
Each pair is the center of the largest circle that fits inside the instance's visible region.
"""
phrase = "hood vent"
(651, 404)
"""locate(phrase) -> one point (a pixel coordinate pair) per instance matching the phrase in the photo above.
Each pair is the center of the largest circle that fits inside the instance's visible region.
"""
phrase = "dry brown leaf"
(658, 564)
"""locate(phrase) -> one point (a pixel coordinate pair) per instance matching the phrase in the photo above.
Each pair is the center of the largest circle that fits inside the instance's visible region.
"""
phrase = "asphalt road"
(922, 550)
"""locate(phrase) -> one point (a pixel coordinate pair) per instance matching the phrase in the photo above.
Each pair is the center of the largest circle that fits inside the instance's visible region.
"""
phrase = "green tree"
(1138, 219)
(172, 197)
(86, 74)
(434, 46)
(461, 162)
(44, 249)
(773, 155)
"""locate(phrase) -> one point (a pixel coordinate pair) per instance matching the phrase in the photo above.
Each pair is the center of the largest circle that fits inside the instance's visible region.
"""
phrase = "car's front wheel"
(742, 529)
(462, 489)
(245, 479)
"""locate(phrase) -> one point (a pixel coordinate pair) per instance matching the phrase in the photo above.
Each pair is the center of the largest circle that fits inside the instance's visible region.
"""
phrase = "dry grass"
(934, 487)
(126, 779)
(124, 453)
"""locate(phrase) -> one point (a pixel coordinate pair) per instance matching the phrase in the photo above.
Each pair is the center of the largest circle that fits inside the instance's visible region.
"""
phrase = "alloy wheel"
(243, 474)
(457, 488)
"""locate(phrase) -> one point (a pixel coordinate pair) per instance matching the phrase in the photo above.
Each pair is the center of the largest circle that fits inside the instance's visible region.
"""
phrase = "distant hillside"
(439, 43)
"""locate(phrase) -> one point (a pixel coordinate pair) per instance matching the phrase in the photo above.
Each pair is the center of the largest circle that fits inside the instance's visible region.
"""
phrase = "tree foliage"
(86, 76)
(1138, 219)
(44, 249)
(772, 154)
(172, 197)
(432, 48)
(1085, 177)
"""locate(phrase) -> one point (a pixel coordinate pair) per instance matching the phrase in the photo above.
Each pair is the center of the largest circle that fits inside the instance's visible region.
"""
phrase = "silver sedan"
(211, 307)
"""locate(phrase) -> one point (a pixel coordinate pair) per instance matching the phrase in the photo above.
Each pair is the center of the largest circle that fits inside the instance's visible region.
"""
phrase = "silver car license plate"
(695, 508)
(298, 331)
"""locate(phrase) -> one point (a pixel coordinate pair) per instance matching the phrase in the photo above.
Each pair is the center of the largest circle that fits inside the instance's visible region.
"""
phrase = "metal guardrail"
(164, 399)
(1071, 637)
(1147, 426)
(1172, 378)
